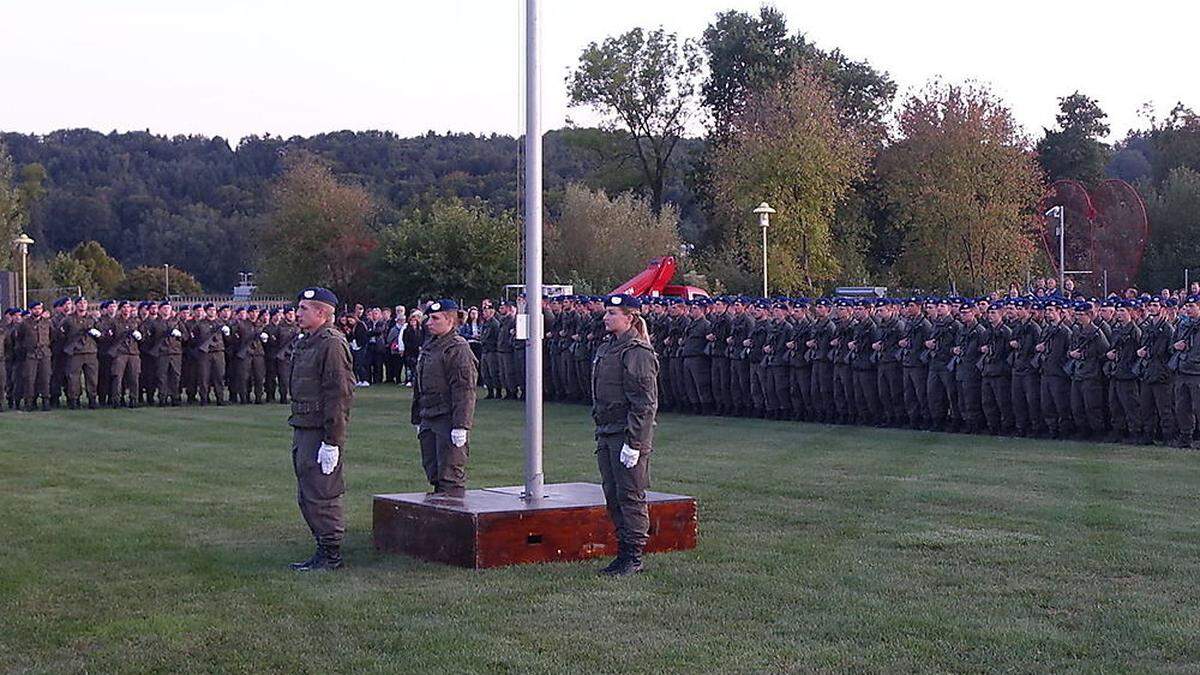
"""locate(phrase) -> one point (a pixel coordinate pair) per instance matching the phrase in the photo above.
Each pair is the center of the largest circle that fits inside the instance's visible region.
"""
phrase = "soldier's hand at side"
(1014, 344)
(417, 429)
(1112, 355)
(877, 346)
(94, 333)
(1075, 354)
(1142, 352)
(1180, 346)
(629, 456)
(458, 437)
(903, 343)
(137, 335)
(1041, 347)
(811, 344)
(985, 349)
(327, 457)
(745, 343)
(931, 344)
(175, 333)
(957, 351)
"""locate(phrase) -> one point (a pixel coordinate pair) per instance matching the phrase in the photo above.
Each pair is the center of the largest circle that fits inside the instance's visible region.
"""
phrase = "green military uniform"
(33, 343)
(444, 400)
(79, 347)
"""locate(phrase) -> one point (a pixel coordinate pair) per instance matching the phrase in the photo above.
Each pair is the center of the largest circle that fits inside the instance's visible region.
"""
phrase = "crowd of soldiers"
(124, 354)
(1119, 369)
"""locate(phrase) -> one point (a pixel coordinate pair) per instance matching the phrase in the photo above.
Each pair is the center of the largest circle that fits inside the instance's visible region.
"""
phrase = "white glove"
(327, 457)
(175, 333)
(225, 330)
(137, 335)
(263, 337)
(417, 428)
(458, 437)
(629, 456)
(93, 332)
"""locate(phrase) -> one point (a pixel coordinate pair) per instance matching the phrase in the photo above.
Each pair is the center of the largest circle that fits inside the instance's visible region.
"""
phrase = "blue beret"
(252, 308)
(1192, 299)
(164, 303)
(318, 294)
(11, 311)
(1083, 306)
(35, 303)
(444, 305)
(79, 298)
(59, 302)
(623, 300)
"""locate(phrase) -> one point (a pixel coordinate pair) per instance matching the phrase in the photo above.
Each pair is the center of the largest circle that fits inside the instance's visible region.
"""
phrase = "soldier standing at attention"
(322, 383)
(32, 339)
(625, 401)
(443, 406)
(167, 333)
(79, 347)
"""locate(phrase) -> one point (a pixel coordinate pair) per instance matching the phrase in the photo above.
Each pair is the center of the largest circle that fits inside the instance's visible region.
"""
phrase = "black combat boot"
(632, 564)
(326, 558)
(613, 566)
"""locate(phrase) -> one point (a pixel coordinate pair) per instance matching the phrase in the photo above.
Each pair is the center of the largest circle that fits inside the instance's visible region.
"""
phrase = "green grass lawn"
(156, 540)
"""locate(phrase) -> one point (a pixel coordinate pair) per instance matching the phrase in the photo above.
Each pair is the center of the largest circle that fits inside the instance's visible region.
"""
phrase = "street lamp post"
(764, 212)
(23, 242)
(166, 281)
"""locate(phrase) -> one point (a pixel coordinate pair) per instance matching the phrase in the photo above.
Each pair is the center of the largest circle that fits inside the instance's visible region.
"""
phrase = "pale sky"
(236, 67)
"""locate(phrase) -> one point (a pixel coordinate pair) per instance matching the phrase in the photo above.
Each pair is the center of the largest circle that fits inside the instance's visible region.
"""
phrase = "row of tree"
(935, 190)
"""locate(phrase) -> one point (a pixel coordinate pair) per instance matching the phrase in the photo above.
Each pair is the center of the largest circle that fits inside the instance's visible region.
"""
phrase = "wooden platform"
(493, 527)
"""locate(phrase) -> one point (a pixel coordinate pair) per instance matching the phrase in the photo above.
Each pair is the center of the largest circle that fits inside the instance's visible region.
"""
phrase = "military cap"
(209, 305)
(1192, 299)
(623, 300)
(197, 306)
(78, 298)
(59, 302)
(11, 311)
(289, 308)
(318, 294)
(1171, 302)
(223, 307)
(252, 308)
(35, 303)
(164, 303)
(445, 305)
(1084, 306)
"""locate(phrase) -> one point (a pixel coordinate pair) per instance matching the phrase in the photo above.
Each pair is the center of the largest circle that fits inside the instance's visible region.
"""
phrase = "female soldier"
(625, 400)
(444, 400)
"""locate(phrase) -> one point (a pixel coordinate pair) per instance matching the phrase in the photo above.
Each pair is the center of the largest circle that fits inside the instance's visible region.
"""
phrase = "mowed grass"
(156, 540)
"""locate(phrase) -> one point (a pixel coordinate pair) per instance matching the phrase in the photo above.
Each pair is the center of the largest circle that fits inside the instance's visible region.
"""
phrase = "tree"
(105, 271)
(451, 250)
(788, 146)
(150, 283)
(66, 271)
(12, 214)
(317, 232)
(964, 187)
(645, 83)
(1174, 214)
(1074, 150)
(602, 242)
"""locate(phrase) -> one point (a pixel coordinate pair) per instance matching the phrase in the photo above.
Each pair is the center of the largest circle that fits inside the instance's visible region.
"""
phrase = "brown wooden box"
(494, 526)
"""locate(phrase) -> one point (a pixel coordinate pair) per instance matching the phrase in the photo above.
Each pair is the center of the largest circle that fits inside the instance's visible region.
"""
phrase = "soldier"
(80, 333)
(32, 339)
(1026, 399)
(321, 380)
(582, 341)
(679, 324)
(865, 406)
(504, 349)
(63, 308)
(1122, 370)
(941, 389)
(821, 353)
(697, 366)
(719, 327)
(1055, 393)
(122, 336)
(167, 334)
(1156, 401)
(776, 367)
(443, 406)
(208, 343)
(5, 351)
(624, 410)
(1187, 371)
(996, 396)
(187, 378)
(890, 382)
(517, 364)
(1088, 347)
(760, 335)
(800, 370)
(490, 363)
(147, 314)
(914, 362)
(250, 355)
(967, 376)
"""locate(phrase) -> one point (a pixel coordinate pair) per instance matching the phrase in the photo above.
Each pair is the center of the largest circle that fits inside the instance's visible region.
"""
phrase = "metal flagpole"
(534, 479)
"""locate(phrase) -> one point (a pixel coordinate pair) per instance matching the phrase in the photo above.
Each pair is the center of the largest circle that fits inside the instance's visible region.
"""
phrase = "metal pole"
(764, 230)
(1062, 253)
(1106, 283)
(534, 478)
(166, 282)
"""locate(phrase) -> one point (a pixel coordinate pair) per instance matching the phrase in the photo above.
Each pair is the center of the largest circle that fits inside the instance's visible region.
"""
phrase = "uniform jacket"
(1094, 345)
(322, 384)
(32, 338)
(1157, 338)
(76, 339)
(625, 389)
(445, 380)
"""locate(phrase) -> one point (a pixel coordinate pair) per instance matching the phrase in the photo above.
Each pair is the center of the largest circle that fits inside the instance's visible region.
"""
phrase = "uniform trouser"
(915, 383)
(843, 390)
(624, 493)
(566, 365)
(890, 383)
(126, 375)
(271, 383)
(36, 375)
(583, 374)
(739, 383)
(445, 464)
(800, 383)
(104, 386)
(490, 370)
(698, 378)
(149, 366)
(283, 367)
(1123, 406)
(719, 375)
(941, 392)
(250, 374)
(758, 386)
(997, 403)
(517, 363)
(1026, 403)
(3, 382)
(58, 375)
(504, 370)
(970, 400)
(1187, 403)
(187, 377)
(779, 389)
(866, 396)
(822, 389)
(1055, 396)
(319, 495)
(210, 375)
(1156, 403)
(1087, 403)
(679, 379)
(82, 369)
(168, 368)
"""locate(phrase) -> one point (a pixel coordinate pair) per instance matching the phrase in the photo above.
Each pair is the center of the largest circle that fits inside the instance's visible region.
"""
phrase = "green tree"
(1174, 214)
(106, 272)
(790, 147)
(1075, 150)
(317, 232)
(149, 283)
(603, 242)
(964, 187)
(645, 84)
(12, 213)
(453, 249)
(66, 270)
